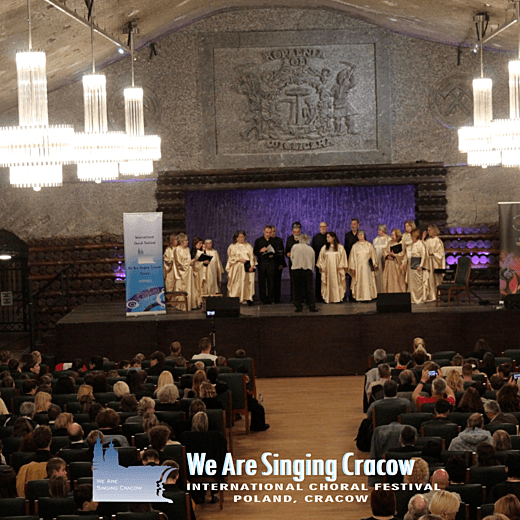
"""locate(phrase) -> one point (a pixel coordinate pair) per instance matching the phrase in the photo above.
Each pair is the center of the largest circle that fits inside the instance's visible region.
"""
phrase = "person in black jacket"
(157, 365)
(351, 237)
(280, 264)
(318, 241)
(265, 253)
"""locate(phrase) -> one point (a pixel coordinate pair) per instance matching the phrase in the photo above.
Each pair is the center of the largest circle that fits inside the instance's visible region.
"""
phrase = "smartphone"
(210, 313)
(432, 373)
(516, 376)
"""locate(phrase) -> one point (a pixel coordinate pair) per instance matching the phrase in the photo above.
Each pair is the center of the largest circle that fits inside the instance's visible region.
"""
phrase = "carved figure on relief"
(297, 106)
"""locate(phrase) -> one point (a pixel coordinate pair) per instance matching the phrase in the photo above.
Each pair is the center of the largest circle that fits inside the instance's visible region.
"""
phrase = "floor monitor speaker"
(394, 302)
(218, 307)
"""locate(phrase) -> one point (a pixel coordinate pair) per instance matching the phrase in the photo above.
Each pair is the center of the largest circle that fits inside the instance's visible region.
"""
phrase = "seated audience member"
(151, 458)
(470, 402)
(508, 399)
(85, 390)
(7, 482)
(93, 411)
(171, 487)
(407, 440)
(384, 439)
(384, 374)
(504, 371)
(33, 369)
(198, 378)
(468, 439)
(456, 468)
(95, 364)
(406, 382)
(42, 402)
(56, 467)
(128, 403)
(160, 437)
(26, 412)
(179, 427)
(7, 381)
(420, 473)
(488, 366)
(509, 506)
(486, 455)
(205, 347)
(135, 364)
(156, 364)
(99, 383)
(439, 389)
(14, 367)
(36, 469)
(419, 358)
(457, 361)
(61, 424)
(121, 389)
(124, 364)
(383, 504)
(91, 440)
(495, 415)
(501, 440)
(402, 360)
(146, 404)
(84, 500)
(512, 484)
(441, 413)
(149, 421)
(21, 427)
(168, 397)
(176, 354)
(481, 347)
(439, 480)
(221, 361)
(417, 507)
(65, 385)
(390, 398)
(29, 387)
(135, 383)
(431, 452)
(445, 504)
(467, 372)
(496, 382)
(219, 386)
(454, 380)
(209, 395)
(419, 344)
(108, 422)
(58, 487)
(166, 378)
(5, 356)
(75, 433)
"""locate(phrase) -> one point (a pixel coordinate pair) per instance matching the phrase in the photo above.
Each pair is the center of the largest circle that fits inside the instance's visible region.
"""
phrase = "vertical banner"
(144, 264)
(509, 215)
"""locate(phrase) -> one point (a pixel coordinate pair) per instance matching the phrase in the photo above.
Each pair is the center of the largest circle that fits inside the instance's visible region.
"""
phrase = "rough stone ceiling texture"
(67, 43)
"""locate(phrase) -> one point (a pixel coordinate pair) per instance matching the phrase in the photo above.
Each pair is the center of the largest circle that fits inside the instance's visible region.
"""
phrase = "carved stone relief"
(451, 101)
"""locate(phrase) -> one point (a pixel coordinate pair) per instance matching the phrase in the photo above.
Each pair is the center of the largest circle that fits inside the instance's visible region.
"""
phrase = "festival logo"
(115, 483)
(300, 105)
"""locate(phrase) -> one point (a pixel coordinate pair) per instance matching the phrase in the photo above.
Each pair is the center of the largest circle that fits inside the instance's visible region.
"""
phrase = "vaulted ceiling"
(67, 43)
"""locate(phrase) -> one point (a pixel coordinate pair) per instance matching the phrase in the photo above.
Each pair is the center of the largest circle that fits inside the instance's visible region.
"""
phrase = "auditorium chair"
(22, 517)
(217, 422)
(237, 386)
(470, 458)
(62, 399)
(513, 354)
(73, 407)
(463, 513)
(11, 445)
(7, 395)
(105, 397)
(415, 419)
(382, 415)
(471, 494)
(6, 431)
(170, 418)
(84, 480)
(501, 455)
(447, 431)
(207, 362)
(34, 489)
(19, 458)
(460, 283)
(130, 429)
(13, 506)
(58, 443)
(500, 360)
(249, 363)
(114, 405)
(179, 509)
(79, 469)
(128, 456)
(427, 408)
(485, 510)
(49, 508)
(177, 452)
(460, 418)
(487, 476)
(18, 400)
(79, 517)
(443, 354)
(151, 515)
(390, 358)
(512, 429)
(140, 441)
(69, 455)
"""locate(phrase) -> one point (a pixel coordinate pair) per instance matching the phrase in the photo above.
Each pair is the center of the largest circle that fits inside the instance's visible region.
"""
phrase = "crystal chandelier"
(506, 132)
(34, 151)
(97, 152)
(477, 140)
(142, 149)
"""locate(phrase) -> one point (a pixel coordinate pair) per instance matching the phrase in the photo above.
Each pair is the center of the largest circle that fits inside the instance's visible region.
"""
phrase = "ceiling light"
(5, 257)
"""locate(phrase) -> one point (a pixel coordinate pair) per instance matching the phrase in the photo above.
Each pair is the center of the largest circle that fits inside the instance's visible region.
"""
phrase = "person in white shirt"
(205, 346)
(302, 266)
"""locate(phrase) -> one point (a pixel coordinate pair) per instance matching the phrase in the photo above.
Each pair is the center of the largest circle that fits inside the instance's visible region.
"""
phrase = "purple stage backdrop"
(218, 214)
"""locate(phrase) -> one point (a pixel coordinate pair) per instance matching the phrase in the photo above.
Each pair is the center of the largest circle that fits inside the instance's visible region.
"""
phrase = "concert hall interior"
(269, 113)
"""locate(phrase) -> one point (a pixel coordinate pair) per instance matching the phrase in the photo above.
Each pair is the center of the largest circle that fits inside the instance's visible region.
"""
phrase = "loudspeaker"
(512, 302)
(222, 307)
(394, 302)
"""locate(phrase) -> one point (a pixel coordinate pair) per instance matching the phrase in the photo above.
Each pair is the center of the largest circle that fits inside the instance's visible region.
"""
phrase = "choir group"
(400, 262)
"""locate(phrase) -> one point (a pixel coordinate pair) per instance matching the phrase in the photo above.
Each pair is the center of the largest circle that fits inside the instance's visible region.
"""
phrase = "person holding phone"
(439, 387)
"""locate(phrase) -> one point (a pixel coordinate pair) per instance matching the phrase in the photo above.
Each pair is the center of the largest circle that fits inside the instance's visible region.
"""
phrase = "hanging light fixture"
(506, 132)
(97, 151)
(477, 140)
(142, 149)
(34, 151)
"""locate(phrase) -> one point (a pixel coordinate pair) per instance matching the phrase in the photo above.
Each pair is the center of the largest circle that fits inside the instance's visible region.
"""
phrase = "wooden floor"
(315, 415)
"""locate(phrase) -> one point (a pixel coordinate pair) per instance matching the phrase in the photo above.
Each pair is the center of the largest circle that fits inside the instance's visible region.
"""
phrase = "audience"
(383, 504)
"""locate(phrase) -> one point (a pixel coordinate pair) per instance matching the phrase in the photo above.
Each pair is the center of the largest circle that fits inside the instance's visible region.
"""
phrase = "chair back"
(472, 494)
(49, 508)
(444, 354)
(463, 271)
(216, 420)
(486, 510)
(62, 399)
(249, 363)
(34, 490)
(447, 431)
(19, 458)
(7, 395)
(18, 400)
(70, 455)
(80, 469)
(501, 455)
(170, 417)
(428, 408)
(105, 397)
(114, 405)
(11, 445)
(515, 442)
(178, 509)
(512, 429)
(12, 506)
(177, 452)
(150, 515)
(460, 418)
(415, 419)
(387, 413)
(237, 385)
(127, 456)
(487, 476)
(512, 353)
(58, 443)
(141, 441)
(466, 455)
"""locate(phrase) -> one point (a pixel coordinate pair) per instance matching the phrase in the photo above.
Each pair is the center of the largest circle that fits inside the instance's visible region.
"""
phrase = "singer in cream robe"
(240, 284)
(333, 266)
(437, 260)
(418, 278)
(363, 279)
(214, 270)
(183, 268)
(394, 276)
(380, 243)
(199, 276)
(168, 264)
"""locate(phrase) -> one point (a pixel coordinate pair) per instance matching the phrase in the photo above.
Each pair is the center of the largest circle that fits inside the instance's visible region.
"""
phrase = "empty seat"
(49, 508)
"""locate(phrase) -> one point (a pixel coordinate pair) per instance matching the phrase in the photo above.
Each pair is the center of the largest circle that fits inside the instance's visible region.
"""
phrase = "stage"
(335, 341)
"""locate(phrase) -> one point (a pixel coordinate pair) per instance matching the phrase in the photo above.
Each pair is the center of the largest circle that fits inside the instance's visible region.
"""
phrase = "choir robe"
(199, 276)
(363, 280)
(418, 280)
(183, 275)
(380, 244)
(333, 266)
(437, 260)
(394, 277)
(240, 283)
(168, 269)
(214, 270)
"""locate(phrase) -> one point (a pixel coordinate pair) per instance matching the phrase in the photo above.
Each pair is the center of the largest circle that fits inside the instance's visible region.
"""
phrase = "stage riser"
(295, 346)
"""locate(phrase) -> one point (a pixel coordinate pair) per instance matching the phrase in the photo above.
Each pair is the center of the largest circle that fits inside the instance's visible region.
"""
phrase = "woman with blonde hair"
(240, 268)
(394, 276)
(508, 506)
(121, 389)
(168, 397)
(62, 422)
(409, 226)
(183, 272)
(445, 504)
(198, 378)
(454, 381)
(168, 271)
(380, 244)
(165, 378)
(42, 402)
(436, 259)
(85, 390)
(420, 473)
